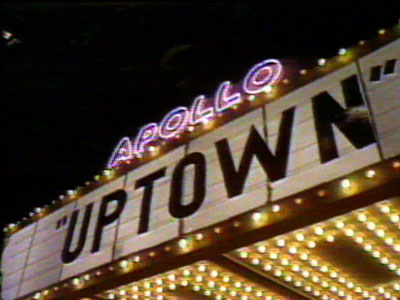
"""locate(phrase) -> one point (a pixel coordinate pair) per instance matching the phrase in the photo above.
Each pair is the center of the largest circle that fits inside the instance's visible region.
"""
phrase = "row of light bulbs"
(318, 230)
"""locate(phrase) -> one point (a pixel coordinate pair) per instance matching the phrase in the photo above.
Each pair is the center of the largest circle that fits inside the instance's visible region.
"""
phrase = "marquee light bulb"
(257, 216)
(261, 249)
(345, 184)
(280, 243)
(370, 174)
(342, 51)
(321, 61)
(276, 208)
(183, 243)
(319, 231)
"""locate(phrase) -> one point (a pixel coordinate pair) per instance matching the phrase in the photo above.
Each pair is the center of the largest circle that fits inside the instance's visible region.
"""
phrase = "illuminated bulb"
(300, 237)
(330, 238)
(248, 289)
(345, 183)
(76, 281)
(278, 273)
(185, 283)
(333, 274)
(214, 273)
(273, 255)
(284, 262)
(361, 217)
(370, 174)
(324, 269)
(280, 243)
(311, 244)
(196, 288)
(288, 278)
(238, 284)
(321, 61)
(305, 274)
(267, 268)
(376, 254)
(314, 263)
(350, 285)
(261, 249)
(315, 279)
(394, 218)
(368, 248)
(342, 51)
(255, 261)
(292, 250)
(371, 226)
(319, 231)
(396, 164)
(183, 243)
(304, 256)
(159, 281)
(267, 89)
(251, 98)
(380, 233)
(243, 254)
(382, 31)
(199, 236)
(124, 264)
(298, 283)
(257, 216)
(147, 285)
(211, 284)
(359, 240)
(385, 209)
(172, 286)
(389, 241)
(136, 259)
(226, 279)
(222, 288)
(303, 72)
(202, 268)
(276, 208)
(349, 232)
(295, 268)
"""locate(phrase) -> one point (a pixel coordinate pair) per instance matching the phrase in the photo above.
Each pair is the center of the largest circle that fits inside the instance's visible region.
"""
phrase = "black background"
(84, 75)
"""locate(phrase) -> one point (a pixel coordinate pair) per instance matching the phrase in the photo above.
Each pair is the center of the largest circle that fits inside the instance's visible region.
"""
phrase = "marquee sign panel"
(335, 125)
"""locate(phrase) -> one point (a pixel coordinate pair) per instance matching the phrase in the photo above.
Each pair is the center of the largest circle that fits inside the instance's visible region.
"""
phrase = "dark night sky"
(85, 75)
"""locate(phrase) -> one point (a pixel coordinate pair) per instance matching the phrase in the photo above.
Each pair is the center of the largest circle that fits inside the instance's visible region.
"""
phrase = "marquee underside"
(352, 256)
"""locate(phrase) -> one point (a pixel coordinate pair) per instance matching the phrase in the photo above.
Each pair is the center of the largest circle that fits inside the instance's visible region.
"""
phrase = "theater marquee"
(267, 157)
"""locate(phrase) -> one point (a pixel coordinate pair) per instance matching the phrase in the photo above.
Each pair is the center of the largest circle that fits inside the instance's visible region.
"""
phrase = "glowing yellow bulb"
(345, 184)
(257, 216)
(183, 243)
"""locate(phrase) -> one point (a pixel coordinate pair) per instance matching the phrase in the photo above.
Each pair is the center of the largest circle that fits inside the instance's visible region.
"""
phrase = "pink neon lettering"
(146, 135)
(223, 99)
(262, 75)
(122, 152)
(174, 123)
(199, 113)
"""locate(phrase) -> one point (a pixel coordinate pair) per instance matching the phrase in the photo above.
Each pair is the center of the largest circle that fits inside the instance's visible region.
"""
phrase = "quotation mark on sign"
(61, 222)
(376, 71)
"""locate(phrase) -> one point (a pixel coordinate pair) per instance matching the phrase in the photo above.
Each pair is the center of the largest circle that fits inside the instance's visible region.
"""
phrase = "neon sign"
(258, 79)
